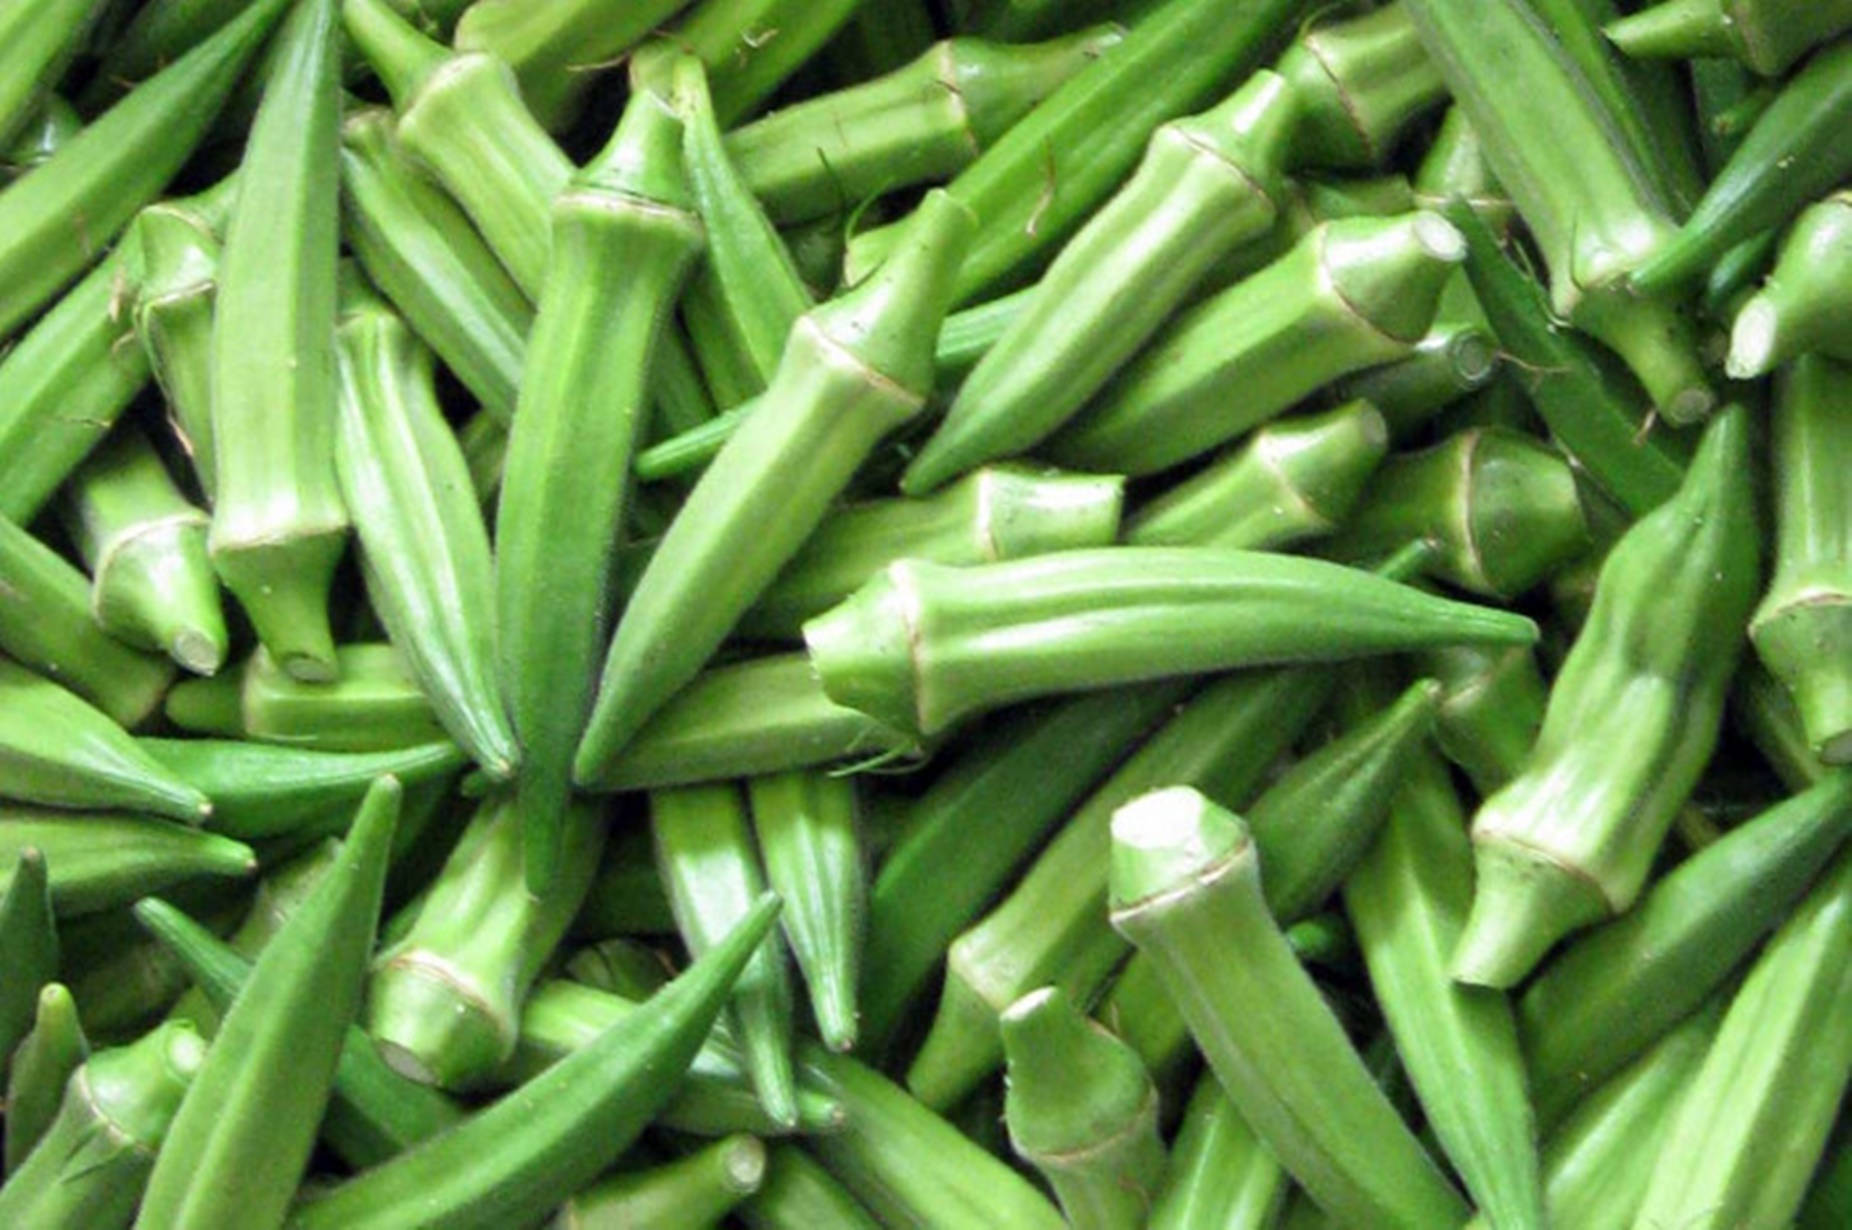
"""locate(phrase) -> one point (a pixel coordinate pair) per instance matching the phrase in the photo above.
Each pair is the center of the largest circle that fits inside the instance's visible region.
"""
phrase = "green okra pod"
(1749, 1132)
(798, 1193)
(1802, 306)
(1613, 992)
(39, 1069)
(710, 866)
(698, 1190)
(40, 40)
(1491, 707)
(1220, 1173)
(1632, 719)
(1186, 887)
(853, 370)
(920, 123)
(922, 645)
(424, 254)
(48, 130)
(57, 750)
(749, 47)
(1455, 166)
(1294, 479)
(95, 860)
(996, 513)
(462, 118)
(873, 42)
(806, 823)
(57, 220)
(424, 549)
(555, 49)
(1207, 184)
(444, 998)
(1454, 359)
(521, 1156)
(91, 1166)
(122, 979)
(1082, 1110)
(29, 937)
(1352, 294)
(1361, 83)
(1766, 35)
(375, 705)
(1806, 613)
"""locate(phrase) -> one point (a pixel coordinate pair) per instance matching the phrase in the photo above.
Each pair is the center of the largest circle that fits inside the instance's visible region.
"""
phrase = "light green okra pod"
(798, 1194)
(1207, 184)
(690, 1193)
(1767, 35)
(375, 705)
(424, 549)
(1803, 305)
(1352, 294)
(853, 370)
(95, 860)
(1455, 359)
(556, 48)
(1632, 719)
(39, 1068)
(1361, 82)
(1186, 886)
(1220, 1173)
(1491, 707)
(29, 937)
(41, 38)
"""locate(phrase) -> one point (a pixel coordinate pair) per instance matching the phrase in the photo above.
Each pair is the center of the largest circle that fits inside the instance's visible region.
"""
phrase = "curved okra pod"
(1767, 35)
(1491, 707)
(1186, 888)
(91, 1166)
(623, 238)
(57, 750)
(693, 1191)
(461, 116)
(922, 645)
(1352, 294)
(555, 48)
(272, 1061)
(1747, 1137)
(1501, 509)
(997, 513)
(424, 550)
(56, 220)
(1804, 303)
(424, 254)
(96, 860)
(709, 864)
(1632, 719)
(444, 1000)
(1805, 617)
(145, 545)
(515, 1160)
(1453, 359)
(29, 937)
(1220, 1173)
(374, 706)
(748, 47)
(39, 1070)
(40, 40)
(806, 825)
(1613, 992)
(1294, 479)
(920, 123)
(853, 370)
(798, 1194)
(1361, 82)
(1207, 184)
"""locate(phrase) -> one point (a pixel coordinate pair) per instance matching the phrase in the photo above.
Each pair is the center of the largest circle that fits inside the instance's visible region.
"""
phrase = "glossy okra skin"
(56, 749)
(1766, 35)
(1491, 707)
(424, 550)
(46, 625)
(996, 513)
(41, 40)
(97, 860)
(1220, 1174)
(919, 123)
(749, 47)
(39, 1069)
(1291, 480)
(1082, 1110)
(853, 370)
(1361, 83)
(30, 937)
(623, 238)
(798, 1193)
(444, 999)
(1613, 992)
(710, 867)
(374, 706)
(424, 254)
(540, 1143)
(278, 523)
(462, 118)
(1802, 306)
(1352, 294)
(1570, 840)
(923, 645)
(1185, 886)
(697, 1190)
(1207, 184)
(555, 48)
(90, 1168)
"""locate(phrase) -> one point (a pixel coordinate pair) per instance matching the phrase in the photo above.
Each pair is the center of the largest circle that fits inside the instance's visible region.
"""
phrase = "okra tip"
(1523, 902)
(1169, 843)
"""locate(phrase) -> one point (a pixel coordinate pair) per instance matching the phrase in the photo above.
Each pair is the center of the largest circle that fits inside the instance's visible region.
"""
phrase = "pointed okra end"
(400, 54)
(1169, 844)
(1022, 513)
(1391, 271)
(862, 650)
(1070, 1083)
(1674, 30)
(1523, 902)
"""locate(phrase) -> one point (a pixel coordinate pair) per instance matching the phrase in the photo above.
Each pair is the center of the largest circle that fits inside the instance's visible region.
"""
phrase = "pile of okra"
(967, 614)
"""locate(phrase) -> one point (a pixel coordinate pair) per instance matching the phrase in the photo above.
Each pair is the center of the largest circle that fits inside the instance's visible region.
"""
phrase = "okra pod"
(1453, 360)
(40, 40)
(1220, 1173)
(1802, 305)
(39, 1069)
(1767, 35)
(29, 937)
(1455, 166)
(374, 706)
(922, 645)
(798, 1193)
(1186, 888)
(1491, 707)
(698, 1190)
(122, 979)
(555, 49)
(1206, 185)
(1632, 718)
(749, 47)
(1352, 294)
(47, 130)
(853, 370)
(96, 860)
(1361, 82)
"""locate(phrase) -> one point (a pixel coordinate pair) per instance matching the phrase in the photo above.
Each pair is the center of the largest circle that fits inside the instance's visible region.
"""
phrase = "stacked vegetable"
(1193, 613)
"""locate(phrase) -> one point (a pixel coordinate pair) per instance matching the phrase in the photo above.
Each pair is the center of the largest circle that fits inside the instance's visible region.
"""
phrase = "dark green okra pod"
(690, 1193)
(1803, 305)
(29, 937)
(1352, 294)
(554, 49)
(1185, 887)
(1361, 82)
(1570, 840)
(798, 1194)
(1766, 35)
(1207, 184)
(626, 897)
(923, 645)
(853, 370)
(39, 1068)
(97, 860)
(1220, 1173)
(375, 705)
